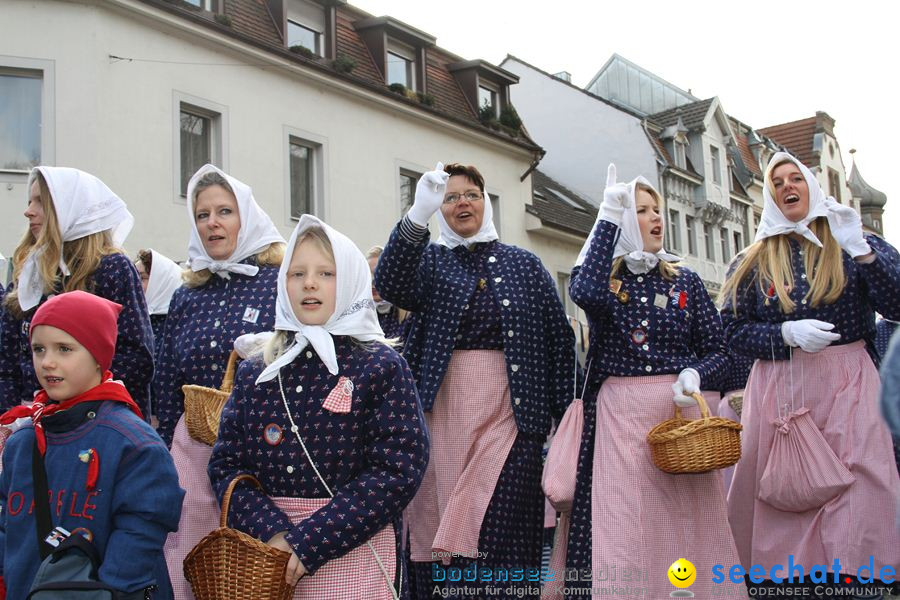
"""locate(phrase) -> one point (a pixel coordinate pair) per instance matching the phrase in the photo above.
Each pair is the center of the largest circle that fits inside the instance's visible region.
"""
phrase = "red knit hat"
(88, 318)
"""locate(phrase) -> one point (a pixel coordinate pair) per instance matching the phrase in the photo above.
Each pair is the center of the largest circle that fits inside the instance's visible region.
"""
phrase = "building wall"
(580, 133)
(119, 120)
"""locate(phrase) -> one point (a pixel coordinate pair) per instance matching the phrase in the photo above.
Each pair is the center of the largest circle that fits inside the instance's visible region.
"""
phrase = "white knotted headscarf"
(773, 221)
(84, 205)
(630, 244)
(354, 310)
(165, 278)
(256, 233)
(487, 233)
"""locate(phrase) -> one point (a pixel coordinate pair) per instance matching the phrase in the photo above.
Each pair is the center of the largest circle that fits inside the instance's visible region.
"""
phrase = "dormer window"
(680, 155)
(201, 4)
(305, 26)
(487, 100)
(400, 67)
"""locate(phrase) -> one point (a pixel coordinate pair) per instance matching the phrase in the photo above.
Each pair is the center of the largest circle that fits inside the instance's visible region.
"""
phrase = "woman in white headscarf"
(327, 419)
(656, 338)
(76, 228)
(229, 290)
(493, 355)
(801, 301)
(160, 277)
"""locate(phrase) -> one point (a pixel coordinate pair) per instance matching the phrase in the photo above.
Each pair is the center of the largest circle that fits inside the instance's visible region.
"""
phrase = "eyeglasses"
(470, 196)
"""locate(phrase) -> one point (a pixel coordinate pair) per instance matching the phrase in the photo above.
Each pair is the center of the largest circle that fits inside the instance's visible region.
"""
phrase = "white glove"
(846, 227)
(250, 344)
(429, 195)
(615, 199)
(809, 334)
(688, 383)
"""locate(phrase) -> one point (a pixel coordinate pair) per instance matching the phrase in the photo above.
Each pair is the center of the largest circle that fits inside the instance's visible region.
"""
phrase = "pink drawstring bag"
(802, 471)
(561, 467)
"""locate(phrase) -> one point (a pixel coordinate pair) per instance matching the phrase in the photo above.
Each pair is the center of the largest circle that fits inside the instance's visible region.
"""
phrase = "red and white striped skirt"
(199, 511)
(472, 429)
(840, 387)
(353, 576)
(644, 519)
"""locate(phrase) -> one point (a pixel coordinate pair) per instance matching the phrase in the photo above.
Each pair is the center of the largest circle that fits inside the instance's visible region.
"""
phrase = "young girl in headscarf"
(802, 303)
(229, 290)
(160, 277)
(76, 228)
(328, 421)
(654, 331)
(109, 475)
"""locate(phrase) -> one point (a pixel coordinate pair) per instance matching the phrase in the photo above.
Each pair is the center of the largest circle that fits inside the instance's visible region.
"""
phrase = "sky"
(779, 62)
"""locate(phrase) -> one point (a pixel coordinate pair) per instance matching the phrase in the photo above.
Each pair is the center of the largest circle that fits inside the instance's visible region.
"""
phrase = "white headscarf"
(487, 233)
(631, 243)
(165, 278)
(354, 309)
(256, 233)
(84, 205)
(773, 221)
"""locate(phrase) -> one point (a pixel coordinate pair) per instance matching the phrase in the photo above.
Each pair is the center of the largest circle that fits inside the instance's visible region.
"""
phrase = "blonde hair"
(270, 256)
(82, 256)
(770, 262)
(375, 252)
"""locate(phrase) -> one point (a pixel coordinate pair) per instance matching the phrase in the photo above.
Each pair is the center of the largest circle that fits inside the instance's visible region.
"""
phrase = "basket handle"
(230, 370)
(701, 402)
(226, 499)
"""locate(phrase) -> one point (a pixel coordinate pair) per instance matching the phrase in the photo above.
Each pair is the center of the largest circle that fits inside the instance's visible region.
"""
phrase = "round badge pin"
(638, 336)
(273, 434)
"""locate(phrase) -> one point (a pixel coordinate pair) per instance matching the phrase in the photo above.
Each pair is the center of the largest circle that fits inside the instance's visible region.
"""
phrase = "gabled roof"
(797, 137)
(692, 115)
(558, 206)
(743, 142)
(251, 22)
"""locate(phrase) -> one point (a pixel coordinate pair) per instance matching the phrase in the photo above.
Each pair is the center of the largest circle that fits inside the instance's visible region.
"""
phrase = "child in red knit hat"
(110, 477)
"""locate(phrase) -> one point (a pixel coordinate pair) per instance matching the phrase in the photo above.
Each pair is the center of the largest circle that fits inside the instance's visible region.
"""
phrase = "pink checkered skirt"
(199, 511)
(472, 429)
(644, 519)
(353, 576)
(840, 387)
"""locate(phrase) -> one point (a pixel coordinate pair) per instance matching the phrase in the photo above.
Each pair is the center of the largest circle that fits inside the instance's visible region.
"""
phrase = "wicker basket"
(683, 446)
(230, 565)
(203, 405)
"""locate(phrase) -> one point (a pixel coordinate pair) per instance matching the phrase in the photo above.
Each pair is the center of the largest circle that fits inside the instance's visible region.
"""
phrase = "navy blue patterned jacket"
(115, 279)
(372, 457)
(200, 330)
(538, 342)
(664, 327)
(756, 328)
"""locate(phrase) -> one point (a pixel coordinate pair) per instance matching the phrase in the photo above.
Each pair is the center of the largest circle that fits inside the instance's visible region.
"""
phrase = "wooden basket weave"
(203, 405)
(230, 565)
(683, 446)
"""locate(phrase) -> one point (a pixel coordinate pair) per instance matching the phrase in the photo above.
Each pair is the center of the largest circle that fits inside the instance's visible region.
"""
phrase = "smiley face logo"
(682, 573)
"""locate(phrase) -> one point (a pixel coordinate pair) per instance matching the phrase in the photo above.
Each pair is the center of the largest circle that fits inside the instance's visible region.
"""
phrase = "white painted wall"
(118, 120)
(580, 133)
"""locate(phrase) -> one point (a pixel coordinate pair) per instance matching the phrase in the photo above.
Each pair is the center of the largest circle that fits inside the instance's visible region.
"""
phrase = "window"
(302, 157)
(723, 238)
(674, 229)
(300, 35)
(21, 118)
(400, 67)
(691, 239)
(196, 142)
(562, 282)
(202, 4)
(708, 239)
(834, 184)
(738, 242)
(408, 181)
(716, 165)
(487, 98)
(680, 156)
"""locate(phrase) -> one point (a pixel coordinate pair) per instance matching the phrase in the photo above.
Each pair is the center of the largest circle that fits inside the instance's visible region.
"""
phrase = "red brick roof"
(744, 146)
(797, 137)
(252, 22)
